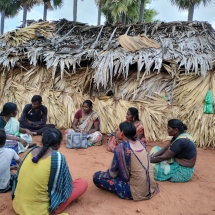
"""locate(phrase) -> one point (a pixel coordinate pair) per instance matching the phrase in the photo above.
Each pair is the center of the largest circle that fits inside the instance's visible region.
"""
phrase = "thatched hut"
(67, 62)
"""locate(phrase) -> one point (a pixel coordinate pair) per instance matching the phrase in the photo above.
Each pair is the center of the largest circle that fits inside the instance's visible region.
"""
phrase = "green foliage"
(186, 4)
(149, 15)
(53, 4)
(11, 7)
(113, 10)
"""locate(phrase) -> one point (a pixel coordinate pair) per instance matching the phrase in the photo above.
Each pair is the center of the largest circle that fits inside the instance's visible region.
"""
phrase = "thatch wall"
(162, 83)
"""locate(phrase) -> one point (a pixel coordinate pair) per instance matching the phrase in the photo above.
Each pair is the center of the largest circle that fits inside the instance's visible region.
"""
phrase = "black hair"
(88, 102)
(128, 129)
(36, 98)
(51, 137)
(176, 123)
(134, 112)
(2, 137)
(8, 108)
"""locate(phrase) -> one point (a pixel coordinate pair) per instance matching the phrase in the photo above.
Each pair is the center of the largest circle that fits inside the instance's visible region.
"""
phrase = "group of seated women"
(49, 189)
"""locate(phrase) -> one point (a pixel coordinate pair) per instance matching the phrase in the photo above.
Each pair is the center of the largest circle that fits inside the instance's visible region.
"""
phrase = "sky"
(87, 13)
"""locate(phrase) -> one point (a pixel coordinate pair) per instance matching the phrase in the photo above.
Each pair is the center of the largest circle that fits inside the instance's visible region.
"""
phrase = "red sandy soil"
(196, 197)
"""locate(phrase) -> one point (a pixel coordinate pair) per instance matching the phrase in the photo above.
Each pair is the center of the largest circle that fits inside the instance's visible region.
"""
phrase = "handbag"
(76, 140)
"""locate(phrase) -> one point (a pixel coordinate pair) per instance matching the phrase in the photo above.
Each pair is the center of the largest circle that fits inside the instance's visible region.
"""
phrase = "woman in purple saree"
(130, 175)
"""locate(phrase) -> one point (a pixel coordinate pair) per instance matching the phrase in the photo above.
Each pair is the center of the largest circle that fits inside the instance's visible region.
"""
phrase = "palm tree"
(142, 7)
(75, 7)
(8, 9)
(189, 5)
(126, 11)
(51, 4)
(99, 15)
(27, 5)
(99, 5)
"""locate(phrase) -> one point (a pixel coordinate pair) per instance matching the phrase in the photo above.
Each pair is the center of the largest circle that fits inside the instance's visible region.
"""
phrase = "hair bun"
(184, 126)
(35, 159)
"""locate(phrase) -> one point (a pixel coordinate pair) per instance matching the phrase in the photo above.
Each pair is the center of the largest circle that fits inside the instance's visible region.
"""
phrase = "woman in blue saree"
(130, 175)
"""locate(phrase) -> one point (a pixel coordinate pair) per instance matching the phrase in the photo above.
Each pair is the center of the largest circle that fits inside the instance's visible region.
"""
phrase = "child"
(6, 155)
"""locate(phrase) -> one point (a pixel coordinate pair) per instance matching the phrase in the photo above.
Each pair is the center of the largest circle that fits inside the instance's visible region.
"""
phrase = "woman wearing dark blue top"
(34, 116)
(175, 162)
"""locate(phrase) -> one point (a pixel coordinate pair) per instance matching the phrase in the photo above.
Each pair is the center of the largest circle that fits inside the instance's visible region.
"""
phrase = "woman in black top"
(175, 162)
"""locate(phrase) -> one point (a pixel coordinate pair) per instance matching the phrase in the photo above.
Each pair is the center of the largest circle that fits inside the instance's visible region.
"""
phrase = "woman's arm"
(114, 170)
(25, 131)
(140, 136)
(162, 151)
(140, 133)
(75, 124)
(10, 137)
(166, 156)
(22, 130)
(96, 128)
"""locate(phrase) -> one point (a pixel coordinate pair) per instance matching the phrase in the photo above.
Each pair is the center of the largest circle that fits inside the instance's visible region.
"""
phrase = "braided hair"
(51, 137)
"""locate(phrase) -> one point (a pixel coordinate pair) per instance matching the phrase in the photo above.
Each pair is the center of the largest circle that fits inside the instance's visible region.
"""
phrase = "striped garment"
(60, 180)
(173, 171)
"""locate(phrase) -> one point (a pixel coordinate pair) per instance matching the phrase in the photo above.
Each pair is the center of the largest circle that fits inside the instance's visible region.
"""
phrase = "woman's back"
(139, 181)
(32, 187)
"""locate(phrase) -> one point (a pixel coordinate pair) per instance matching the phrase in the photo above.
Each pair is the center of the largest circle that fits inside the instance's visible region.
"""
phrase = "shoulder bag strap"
(146, 169)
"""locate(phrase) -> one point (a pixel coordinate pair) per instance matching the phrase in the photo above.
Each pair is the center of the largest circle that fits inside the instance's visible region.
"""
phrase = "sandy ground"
(196, 197)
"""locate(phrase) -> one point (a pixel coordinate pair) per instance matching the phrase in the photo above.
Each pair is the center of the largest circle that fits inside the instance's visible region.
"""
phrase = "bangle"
(18, 139)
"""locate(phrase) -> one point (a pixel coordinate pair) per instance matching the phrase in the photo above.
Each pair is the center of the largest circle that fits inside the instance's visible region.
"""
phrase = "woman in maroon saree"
(133, 117)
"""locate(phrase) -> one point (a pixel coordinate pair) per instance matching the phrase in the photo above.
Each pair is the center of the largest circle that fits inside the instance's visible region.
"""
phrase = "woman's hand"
(27, 131)
(151, 156)
(24, 143)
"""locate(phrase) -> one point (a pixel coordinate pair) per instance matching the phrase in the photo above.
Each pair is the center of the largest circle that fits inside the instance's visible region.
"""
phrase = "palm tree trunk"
(25, 7)
(2, 21)
(191, 12)
(142, 7)
(75, 7)
(99, 15)
(45, 12)
(123, 19)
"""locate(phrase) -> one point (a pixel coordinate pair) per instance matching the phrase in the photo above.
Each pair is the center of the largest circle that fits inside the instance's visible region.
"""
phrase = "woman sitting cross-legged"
(87, 120)
(44, 184)
(17, 138)
(175, 162)
(132, 116)
(130, 175)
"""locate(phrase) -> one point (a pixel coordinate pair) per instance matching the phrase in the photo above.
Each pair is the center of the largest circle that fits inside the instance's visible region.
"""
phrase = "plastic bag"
(208, 106)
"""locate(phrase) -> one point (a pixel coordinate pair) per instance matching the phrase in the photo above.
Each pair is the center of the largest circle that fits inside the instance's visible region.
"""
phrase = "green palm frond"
(185, 4)
(11, 7)
(113, 10)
